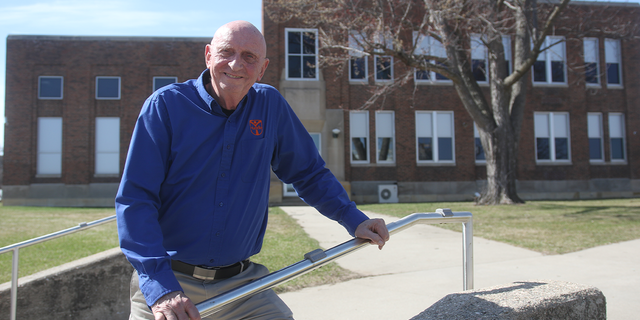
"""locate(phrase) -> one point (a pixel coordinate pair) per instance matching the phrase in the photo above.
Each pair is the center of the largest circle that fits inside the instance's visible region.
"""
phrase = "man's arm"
(374, 230)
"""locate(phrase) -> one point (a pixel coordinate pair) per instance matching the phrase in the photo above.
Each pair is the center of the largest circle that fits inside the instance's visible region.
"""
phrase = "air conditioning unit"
(388, 193)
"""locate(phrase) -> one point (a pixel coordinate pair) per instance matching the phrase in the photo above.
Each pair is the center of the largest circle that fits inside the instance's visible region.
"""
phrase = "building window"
(552, 136)
(159, 82)
(550, 66)
(591, 68)
(49, 146)
(358, 60)
(385, 134)
(427, 45)
(594, 128)
(108, 88)
(617, 136)
(302, 52)
(506, 44)
(612, 58)
(434, 137)
(288, 189)
(107, 145)
(384, 64)
(50, 87)
(479, 150)
(359, 130)
(479, 61)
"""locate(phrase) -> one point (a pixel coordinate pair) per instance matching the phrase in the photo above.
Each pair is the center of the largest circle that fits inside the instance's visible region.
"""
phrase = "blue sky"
(119, 18)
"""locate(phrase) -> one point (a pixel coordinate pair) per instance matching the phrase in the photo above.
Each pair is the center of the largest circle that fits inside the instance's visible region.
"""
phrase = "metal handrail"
(16, 247)
(318, 258)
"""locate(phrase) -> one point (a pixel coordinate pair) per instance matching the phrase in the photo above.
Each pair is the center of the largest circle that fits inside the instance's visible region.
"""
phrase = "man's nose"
(236, 62)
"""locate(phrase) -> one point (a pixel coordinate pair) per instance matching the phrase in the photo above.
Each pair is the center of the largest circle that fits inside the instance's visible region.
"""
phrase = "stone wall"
(521, 300)
(93, 288)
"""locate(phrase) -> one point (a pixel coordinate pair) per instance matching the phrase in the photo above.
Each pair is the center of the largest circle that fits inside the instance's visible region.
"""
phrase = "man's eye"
(249, 58)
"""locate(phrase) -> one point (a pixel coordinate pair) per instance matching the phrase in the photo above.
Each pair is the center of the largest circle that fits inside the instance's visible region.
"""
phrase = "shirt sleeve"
(138, 202)
(297, 161)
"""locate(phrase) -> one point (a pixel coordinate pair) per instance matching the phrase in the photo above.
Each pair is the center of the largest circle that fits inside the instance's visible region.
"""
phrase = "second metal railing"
(319, 258)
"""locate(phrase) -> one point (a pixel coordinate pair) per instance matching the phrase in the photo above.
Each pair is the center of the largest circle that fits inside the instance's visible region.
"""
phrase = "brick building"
(71, 104)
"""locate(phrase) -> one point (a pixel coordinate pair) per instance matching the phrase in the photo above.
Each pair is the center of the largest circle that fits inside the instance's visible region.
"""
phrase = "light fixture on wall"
(335, 132)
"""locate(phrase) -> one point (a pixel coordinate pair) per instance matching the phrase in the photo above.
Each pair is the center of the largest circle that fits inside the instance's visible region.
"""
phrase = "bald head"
(242, 29)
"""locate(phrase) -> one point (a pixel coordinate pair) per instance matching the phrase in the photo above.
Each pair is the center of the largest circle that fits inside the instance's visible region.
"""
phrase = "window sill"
(615, 87)
(436, 164)
(433, 83)
(48, 176)
(554, 163)
(550, 85)
(103, 175)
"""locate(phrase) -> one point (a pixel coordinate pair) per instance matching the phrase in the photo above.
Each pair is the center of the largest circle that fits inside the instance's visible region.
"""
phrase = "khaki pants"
(264, 306)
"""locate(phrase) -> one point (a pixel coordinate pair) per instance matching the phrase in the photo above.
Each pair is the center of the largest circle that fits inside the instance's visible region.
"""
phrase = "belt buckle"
(204, 274)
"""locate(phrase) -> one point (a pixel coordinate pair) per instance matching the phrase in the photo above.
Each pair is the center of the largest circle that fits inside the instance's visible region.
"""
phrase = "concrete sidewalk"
(422, 264)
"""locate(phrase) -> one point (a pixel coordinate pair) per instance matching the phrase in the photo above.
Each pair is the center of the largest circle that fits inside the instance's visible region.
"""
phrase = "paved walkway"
(422, 264)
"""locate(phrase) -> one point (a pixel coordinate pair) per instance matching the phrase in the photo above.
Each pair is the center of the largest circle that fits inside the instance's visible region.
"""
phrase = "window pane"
(562, 148)
(479, 150)
(309, 43)
(295, 67)
(557, 71)
(445, 149)
(425, 149)
(359, 149)
(358, 70)
(613, 73)
(49, 146)
(159, 82)
(385, 149)
(309, 67)
(591, 72)
(539, 71)
(383, 68)
(439, 76)
(294, 42)
(595, 149)
(617, 149)
(542, 149)
(478, 69)
(50, 88)
(108, 88)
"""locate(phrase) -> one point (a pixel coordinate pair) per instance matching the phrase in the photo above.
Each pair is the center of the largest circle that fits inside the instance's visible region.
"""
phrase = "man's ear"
(264, 68)
(207, 54)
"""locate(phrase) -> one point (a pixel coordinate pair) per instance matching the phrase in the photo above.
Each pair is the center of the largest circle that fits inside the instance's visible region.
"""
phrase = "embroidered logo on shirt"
(255, 126)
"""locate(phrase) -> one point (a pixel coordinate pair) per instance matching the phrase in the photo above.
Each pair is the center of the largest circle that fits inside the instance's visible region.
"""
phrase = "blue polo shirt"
(195, 186)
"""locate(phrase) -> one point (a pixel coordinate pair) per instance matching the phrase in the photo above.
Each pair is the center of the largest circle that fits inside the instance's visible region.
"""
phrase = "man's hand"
(374, 230)
(175, 306)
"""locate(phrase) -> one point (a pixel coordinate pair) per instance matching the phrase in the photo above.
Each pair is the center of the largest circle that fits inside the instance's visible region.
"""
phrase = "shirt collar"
(214, 107)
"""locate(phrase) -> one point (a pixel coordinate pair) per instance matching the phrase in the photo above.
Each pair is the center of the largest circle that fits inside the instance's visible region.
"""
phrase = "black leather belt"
(210, 273)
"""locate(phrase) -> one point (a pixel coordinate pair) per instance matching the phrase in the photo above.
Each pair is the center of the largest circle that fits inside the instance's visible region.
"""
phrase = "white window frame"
(98, 78)
(287, 188)
(155, 87)
(555, 47)
(552, 130)
(594, 130)
(476, 138)
(385, 40)
(591, 56)
(355, 39)
(301, 54)
(107, 148)
(385, 128)
(612, 55)
(428, 45)
(435, 131)
(617, 131)
(49, 163)
(40, 78)
(359, 130)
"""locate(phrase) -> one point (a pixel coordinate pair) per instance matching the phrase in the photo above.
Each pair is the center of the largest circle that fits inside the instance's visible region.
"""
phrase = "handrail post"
(14, 284)
(467, 253)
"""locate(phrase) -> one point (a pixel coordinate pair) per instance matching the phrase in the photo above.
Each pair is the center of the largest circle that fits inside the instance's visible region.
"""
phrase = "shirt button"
(223, 175)
(212, 260)
(228, 146)
(221, 204)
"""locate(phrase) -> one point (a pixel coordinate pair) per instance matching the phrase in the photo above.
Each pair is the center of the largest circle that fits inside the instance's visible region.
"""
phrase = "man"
(193, 201)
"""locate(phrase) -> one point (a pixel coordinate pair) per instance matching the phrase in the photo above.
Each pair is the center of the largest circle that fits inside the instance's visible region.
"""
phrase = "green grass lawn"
(549, 227)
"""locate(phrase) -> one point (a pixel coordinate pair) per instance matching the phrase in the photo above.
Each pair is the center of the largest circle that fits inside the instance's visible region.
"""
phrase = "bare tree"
(397, 27)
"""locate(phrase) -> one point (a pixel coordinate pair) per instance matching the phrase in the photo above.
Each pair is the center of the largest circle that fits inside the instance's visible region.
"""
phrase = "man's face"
(236, 59)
